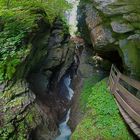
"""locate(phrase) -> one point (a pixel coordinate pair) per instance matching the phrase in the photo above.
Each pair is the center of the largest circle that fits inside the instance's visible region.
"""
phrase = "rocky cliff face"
(114, 31)
(30, 107)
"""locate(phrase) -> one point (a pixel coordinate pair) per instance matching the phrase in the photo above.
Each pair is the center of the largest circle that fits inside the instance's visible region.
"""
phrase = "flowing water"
(64, 129)
(67, 82)
(71, 16)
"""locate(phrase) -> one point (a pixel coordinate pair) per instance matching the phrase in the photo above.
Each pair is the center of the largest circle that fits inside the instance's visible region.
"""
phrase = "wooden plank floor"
(132, 124)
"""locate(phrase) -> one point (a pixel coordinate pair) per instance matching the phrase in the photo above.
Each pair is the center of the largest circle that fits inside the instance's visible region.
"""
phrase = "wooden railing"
(125, 98)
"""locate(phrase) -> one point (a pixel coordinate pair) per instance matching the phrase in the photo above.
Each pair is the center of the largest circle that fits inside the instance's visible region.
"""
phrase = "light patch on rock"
(101, 36)
(119, 27)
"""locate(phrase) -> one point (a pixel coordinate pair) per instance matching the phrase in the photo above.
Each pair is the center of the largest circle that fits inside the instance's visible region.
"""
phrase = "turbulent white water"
(67, 82)
(72, 16)
(64, 129)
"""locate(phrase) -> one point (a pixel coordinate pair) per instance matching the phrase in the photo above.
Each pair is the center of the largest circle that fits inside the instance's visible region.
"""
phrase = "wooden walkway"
(122, 88)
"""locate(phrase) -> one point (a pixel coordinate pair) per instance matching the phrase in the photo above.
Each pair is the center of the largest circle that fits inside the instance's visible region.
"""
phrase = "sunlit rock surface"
(114, 25)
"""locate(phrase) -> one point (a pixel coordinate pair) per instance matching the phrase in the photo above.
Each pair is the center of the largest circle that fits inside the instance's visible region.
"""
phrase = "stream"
(64, 129)
(71, 16)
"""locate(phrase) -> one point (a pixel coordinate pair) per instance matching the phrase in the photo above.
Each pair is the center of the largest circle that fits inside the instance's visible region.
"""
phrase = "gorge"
(55, 60)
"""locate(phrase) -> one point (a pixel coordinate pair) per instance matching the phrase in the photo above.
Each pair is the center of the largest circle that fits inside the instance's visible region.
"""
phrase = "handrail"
(129, 102)
(132, 82)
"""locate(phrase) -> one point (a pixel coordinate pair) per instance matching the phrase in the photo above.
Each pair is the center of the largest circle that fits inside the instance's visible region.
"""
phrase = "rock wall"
(19, 112)
(45, 78)
(30, 107)
(114, 31)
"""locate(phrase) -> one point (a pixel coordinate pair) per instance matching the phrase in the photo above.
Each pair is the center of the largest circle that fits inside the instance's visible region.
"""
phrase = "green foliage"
(87, 90)
(4, 132)
(16, 22)
(53, 8)
(10, 59)
(102, 119)
(25, 121)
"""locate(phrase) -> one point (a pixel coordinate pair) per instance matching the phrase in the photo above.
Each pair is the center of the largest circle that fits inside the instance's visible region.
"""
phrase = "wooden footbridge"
(124, 88)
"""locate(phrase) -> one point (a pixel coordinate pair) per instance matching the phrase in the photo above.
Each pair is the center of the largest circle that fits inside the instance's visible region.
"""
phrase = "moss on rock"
(19, 112)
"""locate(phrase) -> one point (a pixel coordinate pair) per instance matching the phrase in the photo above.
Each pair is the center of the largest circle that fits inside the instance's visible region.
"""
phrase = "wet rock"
(54, 58)
(46, 75)
(119, 27)
(39, 83)
(58, 24)
(85, 68)
(56, 39)
(69, 51)
(43, 133)
(88, 67)
(56, 31)
(60, 50)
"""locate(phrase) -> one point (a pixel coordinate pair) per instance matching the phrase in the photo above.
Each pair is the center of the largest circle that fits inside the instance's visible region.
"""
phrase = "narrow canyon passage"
(64, 129)
(55, 62)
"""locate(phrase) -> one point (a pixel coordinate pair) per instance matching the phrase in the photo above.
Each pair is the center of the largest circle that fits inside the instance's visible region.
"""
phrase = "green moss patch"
(21, 128)
(102, 119)
(19, 112)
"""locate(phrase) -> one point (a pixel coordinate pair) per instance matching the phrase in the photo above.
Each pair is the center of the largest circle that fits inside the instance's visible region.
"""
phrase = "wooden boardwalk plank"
(127, 108)
(128, 104)
(135, 129)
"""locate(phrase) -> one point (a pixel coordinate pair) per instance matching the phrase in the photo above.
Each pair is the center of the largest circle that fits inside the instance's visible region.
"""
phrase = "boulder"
(116, 9)
(104, 2)
(101, 36)
(120, 27)
(115, 32)
(92, 17)
(132, 17)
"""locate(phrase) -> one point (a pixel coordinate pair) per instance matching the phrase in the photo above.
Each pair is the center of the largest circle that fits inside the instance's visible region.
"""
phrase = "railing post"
(116, 82)
(110, 75)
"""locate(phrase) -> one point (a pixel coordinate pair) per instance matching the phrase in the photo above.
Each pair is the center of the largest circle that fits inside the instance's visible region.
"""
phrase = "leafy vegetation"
(102, 119)
(17, 21)
(53, 8)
